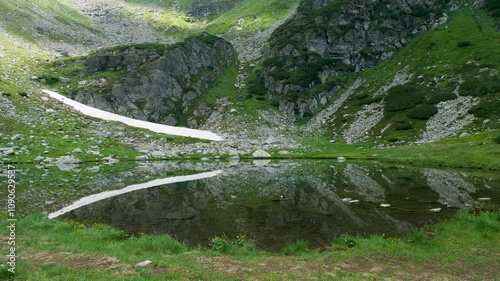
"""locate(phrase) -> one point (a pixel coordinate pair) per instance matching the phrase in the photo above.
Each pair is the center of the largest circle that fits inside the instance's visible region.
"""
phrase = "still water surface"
(277, 203)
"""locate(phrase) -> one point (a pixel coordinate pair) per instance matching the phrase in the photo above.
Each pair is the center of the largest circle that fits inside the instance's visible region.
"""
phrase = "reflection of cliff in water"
(280, 203)
(452, 187)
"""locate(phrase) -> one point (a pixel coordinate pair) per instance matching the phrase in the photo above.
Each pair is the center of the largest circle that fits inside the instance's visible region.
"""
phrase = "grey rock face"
(130, 59)
(158, 88)
(326, 38)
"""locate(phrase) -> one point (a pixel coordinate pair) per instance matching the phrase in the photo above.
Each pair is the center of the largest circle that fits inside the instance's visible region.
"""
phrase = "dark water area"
(277, 203)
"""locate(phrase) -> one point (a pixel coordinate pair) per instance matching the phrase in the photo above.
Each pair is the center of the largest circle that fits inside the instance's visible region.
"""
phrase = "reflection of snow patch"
(108, 194)
(159, 128)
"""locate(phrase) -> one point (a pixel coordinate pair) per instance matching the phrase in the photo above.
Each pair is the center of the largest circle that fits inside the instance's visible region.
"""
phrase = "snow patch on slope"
(159, 128)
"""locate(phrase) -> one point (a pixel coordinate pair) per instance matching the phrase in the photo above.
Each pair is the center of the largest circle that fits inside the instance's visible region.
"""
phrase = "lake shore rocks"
(68, 162)
(261, 154)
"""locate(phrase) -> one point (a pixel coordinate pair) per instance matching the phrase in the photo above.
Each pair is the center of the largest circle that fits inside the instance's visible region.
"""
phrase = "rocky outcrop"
(201, 8)
(326, 38)
(156, 87)
(129, 58)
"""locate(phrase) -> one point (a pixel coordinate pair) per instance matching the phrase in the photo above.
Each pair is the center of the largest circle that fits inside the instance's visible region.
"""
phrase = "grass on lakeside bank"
(478, 151)
(463, 248)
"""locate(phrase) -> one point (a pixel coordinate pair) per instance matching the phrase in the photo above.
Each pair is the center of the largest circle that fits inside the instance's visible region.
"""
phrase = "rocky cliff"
(148, 85)
(329, 37)
(203, 8)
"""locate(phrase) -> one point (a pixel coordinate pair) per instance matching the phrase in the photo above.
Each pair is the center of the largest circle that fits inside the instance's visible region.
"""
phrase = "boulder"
(18, 137)
(39, 158)
(261, 154)
(64, 80)
(234, 158)
(68, 162)
(7, 151)
(110, 160)
(272, 140)
(142, 158)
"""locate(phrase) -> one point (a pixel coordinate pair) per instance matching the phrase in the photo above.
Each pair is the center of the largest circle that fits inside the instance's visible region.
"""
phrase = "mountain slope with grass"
(385, 72)
(279, 74)
(444, 83)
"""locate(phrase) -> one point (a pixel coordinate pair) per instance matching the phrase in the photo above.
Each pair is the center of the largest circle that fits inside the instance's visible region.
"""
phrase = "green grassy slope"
(460, 53)
(257, 15)
(458, 59)
(18, 17)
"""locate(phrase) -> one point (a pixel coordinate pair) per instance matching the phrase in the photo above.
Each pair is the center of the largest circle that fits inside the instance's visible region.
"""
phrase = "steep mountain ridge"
(340, 71)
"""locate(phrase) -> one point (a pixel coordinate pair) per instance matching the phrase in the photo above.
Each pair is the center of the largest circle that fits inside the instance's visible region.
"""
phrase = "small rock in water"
(341, 159)
(144, 263)
(435, 210)
(484, 199)
(384, 205)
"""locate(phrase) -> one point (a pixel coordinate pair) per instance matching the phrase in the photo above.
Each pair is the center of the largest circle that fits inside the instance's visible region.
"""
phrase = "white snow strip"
(159, 128)
(108, 194)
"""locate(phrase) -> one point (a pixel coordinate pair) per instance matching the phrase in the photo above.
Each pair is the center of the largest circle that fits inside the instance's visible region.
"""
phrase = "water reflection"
(112, 193)
(278, 203)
